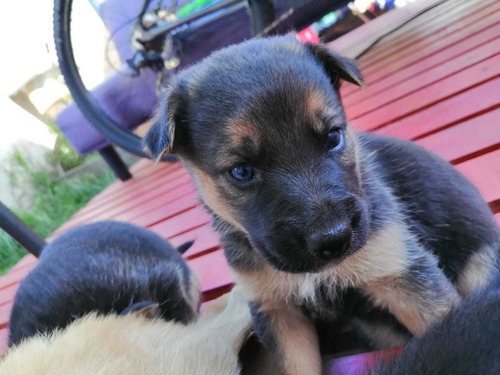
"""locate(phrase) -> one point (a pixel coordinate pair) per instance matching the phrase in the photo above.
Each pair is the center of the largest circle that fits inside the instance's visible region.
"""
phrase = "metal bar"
(19, 231)
(152, 33)
(115, 162)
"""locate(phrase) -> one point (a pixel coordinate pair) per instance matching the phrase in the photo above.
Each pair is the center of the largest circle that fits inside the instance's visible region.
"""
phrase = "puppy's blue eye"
(335, 138)
(242, 173)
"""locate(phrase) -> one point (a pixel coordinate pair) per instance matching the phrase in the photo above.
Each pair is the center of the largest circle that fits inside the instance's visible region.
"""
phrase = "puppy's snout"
(331, 244)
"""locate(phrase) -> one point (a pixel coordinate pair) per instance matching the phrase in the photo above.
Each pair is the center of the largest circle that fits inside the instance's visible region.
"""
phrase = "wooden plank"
(154, 180)
(27, 261)
(183, 222)
(5, 314)
(371, 101)
(213, 271)
(205, 239)
(4, 340)
(142, 195)
(14, 276)
(398, 79)
(474, 75)
(484, 172)
(455, 109)
(360, 38)
(429, 29)
(111, 193)
(150, 206)
(467, 138)
(167, 211)
(8, 294)
(397, 62)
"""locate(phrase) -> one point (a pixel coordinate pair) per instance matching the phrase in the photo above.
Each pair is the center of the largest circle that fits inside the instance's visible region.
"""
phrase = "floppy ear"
(337, 66)
(160, 137)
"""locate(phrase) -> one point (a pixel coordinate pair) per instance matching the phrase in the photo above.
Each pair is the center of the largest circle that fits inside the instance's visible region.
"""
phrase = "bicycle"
(153, 40)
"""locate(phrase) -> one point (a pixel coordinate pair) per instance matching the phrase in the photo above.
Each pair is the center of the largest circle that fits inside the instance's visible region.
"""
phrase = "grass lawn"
(54, 203)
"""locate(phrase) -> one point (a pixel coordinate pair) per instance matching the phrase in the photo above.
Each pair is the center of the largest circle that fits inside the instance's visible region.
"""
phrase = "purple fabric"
(126, 99)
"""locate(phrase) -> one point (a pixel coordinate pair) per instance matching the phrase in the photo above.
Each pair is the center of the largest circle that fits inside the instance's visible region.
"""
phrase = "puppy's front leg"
(419, 296)
(291, 336)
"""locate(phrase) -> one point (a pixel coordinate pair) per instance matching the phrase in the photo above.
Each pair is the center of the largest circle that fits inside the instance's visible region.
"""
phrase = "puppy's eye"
(242, 173)
(335, 138)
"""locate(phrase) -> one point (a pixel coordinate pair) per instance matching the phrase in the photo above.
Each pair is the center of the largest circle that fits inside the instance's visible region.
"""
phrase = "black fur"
(103, 267)
(280, 100)
(466, 342)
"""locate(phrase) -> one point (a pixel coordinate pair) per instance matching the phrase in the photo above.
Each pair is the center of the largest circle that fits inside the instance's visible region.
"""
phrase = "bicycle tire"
(261, 13)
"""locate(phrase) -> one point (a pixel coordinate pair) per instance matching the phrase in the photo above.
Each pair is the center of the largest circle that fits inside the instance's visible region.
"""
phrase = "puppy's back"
(102, 267)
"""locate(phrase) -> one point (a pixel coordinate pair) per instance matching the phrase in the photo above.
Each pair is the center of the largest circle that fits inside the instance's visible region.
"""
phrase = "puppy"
(464, 343)
(311, 213)
(131, 344)
(105, 267)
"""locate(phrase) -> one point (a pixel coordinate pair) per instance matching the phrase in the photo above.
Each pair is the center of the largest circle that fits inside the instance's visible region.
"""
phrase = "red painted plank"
(487, 69)
(414, 56)
(129, 191)
(484, 172)
(213, 271)
(155, 203)
(27, 261)
(398, 79)
(118, 185)
(167, 211)
(206, 241)
(431, 28)
(452, 110)
(139, 198)
(475, 24)
(469, 137)
(5, 314)
(370, 101)
(14, 276)
(8, 294)
(4, 339)
(181, 223)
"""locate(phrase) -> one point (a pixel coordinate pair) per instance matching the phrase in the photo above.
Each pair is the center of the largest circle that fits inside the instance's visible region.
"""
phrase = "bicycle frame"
(164, 27)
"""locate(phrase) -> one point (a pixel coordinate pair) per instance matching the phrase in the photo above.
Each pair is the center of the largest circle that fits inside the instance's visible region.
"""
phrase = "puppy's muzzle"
(332, 244)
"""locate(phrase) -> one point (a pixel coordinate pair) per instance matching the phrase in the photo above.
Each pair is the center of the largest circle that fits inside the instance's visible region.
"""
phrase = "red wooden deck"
(435, 81)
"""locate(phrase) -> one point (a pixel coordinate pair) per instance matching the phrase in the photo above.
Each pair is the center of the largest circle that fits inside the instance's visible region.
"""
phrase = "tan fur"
(315, 104)
(415, 310)
(477, 271)
(240, 131)
(298, 345)
(194, 292)
(384, 255)
(132, 345)
(210, 196)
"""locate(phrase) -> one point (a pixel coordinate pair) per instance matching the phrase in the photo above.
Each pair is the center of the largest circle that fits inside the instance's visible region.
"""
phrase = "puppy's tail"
(184, 247)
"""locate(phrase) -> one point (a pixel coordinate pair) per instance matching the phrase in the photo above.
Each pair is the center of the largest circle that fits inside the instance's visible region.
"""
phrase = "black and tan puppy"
(310, 210)
(106, 267)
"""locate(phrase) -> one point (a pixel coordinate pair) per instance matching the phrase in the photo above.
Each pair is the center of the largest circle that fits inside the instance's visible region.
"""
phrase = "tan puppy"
(133, 344)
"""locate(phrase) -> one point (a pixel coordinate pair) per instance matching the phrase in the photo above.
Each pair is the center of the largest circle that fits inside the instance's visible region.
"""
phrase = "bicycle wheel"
(261, 13)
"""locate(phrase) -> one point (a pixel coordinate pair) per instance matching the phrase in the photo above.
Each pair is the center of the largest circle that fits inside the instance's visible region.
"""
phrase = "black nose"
(332, 244)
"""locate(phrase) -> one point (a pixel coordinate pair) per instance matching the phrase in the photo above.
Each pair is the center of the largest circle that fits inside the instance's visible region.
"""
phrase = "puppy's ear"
(336, 66)
(160, 137)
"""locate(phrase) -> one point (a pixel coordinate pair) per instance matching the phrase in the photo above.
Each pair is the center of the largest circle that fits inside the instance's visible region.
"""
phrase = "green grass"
(54, 202)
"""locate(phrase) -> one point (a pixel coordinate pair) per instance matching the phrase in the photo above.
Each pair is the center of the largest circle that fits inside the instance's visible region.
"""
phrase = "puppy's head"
(261, 127)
